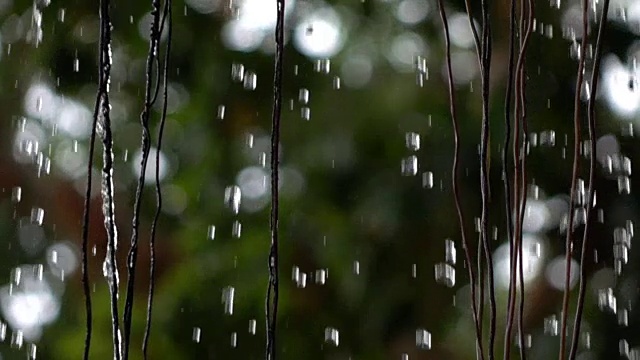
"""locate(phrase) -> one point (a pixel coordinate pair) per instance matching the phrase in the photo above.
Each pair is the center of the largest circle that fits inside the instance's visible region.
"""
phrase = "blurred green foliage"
(351, 204)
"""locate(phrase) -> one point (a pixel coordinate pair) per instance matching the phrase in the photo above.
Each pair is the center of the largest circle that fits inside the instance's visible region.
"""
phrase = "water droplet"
(404, 356)
(252, 326)
(420, 64)
(262, 159)
(607, 301)
(305, 113)
(427, 180)
(624, 185)
(423, 339)
(237, 72)
(412, 140)
(356, 267)
(551, 325)
(450, 252)
(17, 339)
(76, 65)
(321, 276)
(236, 229)
(234, 339)
(211, 232)
(332, 336)
(196, 334)
(249, 141)
(548, 138)
(3, 331)
(323, 66)
(409, 166)
(232, 198)
(37, 216)
(623, 317)
(250, 80)
(445, 274)
(420, 79)
(16, 194)
(336, 83)
(303, 96)
(228, 295)
(221, 111)
(302, 281)
(621, 253)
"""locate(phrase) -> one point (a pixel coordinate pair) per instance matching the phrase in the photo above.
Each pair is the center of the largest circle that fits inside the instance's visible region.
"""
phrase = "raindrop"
(237, 72)
(356, 267)
(32, 351)
(409, 166)
(551, 325)
(232, 198)
(623, 347)
(332, 336)
(234, 339)
(252, 326)
(303, 96)
(196, 334)
(548, 138)
(420, 79)
(423, 339)
(250, 80)
(623, 317)
(236, 230)
(321, 276)
(249, 140)
(305, 113)
(76, 65)
(17, 339)
(621, 253)
(336, 83)
(262, 159)
(450, 252)
(295, 274)
(445, 274)
(211, 232)
(228, 295)
(16, 194)
(412, 140)
(606, 300)
(323, 66)
(37, 216)
(301, 281)
(3, 331)
(427, 180)
(621, 237)
(586, 340)
(527, 341)
(624, 185)
(404, 356)
(420, 64)
(221, 111)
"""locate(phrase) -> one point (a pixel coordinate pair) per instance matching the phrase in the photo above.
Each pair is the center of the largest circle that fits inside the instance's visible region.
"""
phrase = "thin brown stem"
(574, 177)
(591, 113)
(455, 178)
